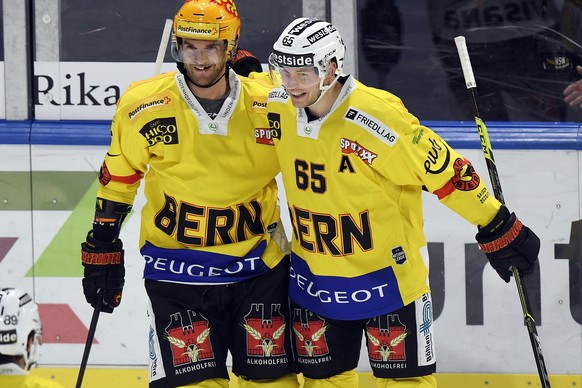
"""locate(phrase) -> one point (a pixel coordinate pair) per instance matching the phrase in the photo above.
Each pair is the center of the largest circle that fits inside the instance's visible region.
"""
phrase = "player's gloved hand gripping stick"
(509, 245)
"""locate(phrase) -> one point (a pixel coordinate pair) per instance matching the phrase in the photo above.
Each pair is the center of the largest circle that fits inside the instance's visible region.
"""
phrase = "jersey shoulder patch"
(371, 124)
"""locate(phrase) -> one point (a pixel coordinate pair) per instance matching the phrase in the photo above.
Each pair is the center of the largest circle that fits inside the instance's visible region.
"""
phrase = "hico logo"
(266, 135)
(160, 130)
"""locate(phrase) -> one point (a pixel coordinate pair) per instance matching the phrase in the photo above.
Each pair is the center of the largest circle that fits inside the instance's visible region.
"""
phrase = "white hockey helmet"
(307, 42)
(19, 319)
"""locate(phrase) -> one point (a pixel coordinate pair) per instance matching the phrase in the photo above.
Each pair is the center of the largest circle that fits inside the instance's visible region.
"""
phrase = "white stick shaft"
(163, 46)
(465, 62)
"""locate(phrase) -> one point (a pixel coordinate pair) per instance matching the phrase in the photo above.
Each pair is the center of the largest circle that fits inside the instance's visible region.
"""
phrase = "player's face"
(302, 84)
(204, 60)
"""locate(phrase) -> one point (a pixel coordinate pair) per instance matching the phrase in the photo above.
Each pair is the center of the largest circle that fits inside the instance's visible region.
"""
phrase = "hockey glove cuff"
(244, 63)
(507, 242)
(104, 270)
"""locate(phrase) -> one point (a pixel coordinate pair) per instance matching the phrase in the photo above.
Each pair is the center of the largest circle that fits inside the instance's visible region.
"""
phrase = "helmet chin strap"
(324, 89)
(182, 70)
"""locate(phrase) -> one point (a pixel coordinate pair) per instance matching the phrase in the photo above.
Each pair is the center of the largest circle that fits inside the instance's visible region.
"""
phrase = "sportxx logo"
(266, 136)
(352, 147)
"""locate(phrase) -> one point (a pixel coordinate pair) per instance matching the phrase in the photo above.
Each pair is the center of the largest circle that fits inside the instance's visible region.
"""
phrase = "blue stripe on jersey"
(194, 266)
(344, 298)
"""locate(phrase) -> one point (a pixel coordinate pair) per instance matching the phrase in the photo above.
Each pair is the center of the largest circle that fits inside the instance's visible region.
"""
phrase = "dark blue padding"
(459, 134)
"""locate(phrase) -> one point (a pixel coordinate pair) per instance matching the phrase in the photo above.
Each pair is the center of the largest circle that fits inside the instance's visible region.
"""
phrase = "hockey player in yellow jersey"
(354, 163)
(215, 253)
(20, 340)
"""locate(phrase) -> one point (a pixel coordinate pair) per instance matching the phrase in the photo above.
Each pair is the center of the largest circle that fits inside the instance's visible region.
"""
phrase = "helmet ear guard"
(19, 319)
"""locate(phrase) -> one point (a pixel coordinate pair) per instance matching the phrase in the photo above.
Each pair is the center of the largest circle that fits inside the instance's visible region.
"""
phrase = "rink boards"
(47, 191)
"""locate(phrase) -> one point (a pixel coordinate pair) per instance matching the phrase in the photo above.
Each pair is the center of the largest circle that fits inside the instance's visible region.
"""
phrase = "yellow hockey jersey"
(13, 376)
(211, 214)
(353, 181)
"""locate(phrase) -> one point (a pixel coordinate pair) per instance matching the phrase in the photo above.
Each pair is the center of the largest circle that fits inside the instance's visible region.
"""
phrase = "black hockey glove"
(507, 242)
(244, 63)
(104, 270)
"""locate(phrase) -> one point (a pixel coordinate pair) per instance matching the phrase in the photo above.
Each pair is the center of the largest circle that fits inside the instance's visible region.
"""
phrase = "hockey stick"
(163, 46)
(492, 168)
(90, 336)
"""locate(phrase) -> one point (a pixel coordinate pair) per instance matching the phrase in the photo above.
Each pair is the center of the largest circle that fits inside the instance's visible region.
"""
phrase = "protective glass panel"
(524, 54)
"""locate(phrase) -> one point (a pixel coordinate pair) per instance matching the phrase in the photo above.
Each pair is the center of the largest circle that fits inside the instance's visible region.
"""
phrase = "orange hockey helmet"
(208, 20)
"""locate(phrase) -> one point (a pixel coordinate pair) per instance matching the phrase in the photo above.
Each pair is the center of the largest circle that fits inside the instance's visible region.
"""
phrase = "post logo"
(259, 103)
(153, 103)
(192, 30)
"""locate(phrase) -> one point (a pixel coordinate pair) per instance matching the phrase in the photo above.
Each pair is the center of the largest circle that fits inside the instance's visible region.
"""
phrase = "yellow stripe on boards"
(138, 378)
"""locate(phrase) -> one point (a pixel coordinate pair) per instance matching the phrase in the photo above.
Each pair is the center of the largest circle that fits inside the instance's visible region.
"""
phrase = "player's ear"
(330, 72)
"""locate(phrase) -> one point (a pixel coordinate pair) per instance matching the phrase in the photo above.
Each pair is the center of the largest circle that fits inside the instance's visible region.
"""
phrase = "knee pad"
(287, 381)
(348, 379)
(407, 382)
